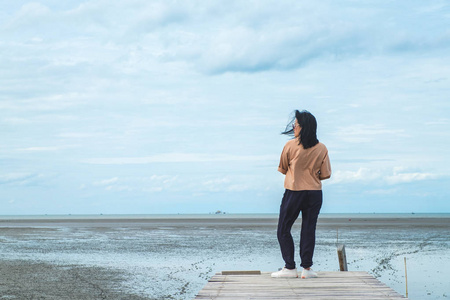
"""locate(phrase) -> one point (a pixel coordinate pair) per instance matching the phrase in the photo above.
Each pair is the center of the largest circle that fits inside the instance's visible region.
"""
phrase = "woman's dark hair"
(308, 123)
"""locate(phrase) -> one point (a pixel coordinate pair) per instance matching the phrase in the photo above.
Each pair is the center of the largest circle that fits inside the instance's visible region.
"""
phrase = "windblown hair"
(308, 133)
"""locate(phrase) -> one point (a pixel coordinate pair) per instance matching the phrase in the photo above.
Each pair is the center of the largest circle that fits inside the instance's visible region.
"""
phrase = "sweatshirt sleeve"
(284, 161)
(325, 169)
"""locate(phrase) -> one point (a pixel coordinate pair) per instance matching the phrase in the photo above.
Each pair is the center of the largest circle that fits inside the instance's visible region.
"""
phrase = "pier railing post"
(342, 257)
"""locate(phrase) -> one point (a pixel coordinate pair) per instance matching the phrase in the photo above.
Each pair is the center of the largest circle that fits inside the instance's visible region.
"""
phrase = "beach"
(172, 257)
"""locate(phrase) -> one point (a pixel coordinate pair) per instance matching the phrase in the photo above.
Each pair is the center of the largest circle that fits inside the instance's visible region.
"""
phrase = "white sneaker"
(308, 274)
(285, 273)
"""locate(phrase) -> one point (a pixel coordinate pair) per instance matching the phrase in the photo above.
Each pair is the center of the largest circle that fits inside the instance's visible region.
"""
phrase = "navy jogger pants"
(309, 203)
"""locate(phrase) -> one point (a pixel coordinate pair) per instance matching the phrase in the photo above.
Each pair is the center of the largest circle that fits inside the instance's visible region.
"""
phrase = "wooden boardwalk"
(329, 285)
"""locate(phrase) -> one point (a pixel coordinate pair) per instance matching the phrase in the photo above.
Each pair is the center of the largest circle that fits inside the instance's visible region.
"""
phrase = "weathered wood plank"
(329, 285)
(241, 273)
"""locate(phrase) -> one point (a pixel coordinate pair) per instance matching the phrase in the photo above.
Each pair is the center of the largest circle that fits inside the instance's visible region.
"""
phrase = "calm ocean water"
(172, 256)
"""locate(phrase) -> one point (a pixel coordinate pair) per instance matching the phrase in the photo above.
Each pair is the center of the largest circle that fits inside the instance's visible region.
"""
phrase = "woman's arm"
(284, 161)
(325, 169)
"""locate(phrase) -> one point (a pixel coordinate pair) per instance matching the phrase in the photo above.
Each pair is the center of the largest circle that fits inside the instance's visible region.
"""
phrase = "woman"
(305, 163)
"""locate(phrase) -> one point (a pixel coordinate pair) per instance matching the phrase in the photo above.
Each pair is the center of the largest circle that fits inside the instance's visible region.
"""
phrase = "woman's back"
(304, 168)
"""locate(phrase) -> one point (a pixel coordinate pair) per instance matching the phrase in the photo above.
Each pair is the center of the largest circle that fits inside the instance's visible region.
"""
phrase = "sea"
(173, 256)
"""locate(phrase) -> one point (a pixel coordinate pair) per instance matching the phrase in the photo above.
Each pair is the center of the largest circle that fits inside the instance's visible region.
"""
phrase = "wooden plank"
(329, 285)
(241, 272)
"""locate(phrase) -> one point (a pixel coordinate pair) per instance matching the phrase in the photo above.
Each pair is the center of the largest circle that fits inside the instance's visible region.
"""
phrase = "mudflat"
(24, 279)
(172, 258)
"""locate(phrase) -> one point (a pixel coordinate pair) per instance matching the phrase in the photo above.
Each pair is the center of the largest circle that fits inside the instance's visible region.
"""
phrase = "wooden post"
(342, 257)
(406, 279)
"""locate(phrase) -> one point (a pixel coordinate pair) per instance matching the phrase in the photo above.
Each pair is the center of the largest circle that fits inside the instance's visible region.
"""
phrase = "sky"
(166, 107)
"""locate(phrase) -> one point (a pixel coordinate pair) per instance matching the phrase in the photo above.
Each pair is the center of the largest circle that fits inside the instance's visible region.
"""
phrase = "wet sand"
(116, 258)
(23, 279)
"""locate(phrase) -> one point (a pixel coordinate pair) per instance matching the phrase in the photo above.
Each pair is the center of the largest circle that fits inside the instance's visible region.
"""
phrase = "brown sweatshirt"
(304, 168)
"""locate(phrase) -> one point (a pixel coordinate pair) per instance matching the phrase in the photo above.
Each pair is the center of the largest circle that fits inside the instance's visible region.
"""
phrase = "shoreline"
(218, 215)
(327, 222)
(214, 216)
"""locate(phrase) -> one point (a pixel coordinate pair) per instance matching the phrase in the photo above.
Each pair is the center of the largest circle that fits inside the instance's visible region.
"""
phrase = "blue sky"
(177, 106)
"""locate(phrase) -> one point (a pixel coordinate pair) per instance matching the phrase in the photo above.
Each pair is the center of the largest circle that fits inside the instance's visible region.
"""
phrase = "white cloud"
(119, 188)
(441, 121)
(235, 183)
(15, 121)
(397, 178)
(20, 178)
(153, 189)
(246, 44)
(379, 176)
(214, 38)
(46, 148)
(28, 13)
(106, 181)
(32, 149)
(385, 191)
(177, 157)
(362, 133)
(113, 184)
(361, 175)
(154, 183)
(50, 102)
(214, 184)
(79, 135)
(163, 179)
(193, 183)
(158, 183)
